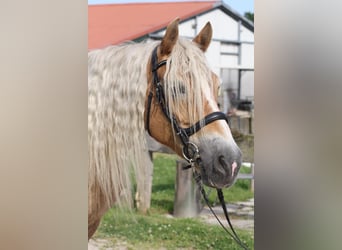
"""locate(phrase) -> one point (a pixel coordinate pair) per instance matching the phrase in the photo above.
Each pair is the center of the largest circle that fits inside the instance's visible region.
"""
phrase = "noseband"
(190, 150)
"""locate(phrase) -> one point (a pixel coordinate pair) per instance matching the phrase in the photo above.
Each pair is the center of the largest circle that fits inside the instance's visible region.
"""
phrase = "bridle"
(190, 150)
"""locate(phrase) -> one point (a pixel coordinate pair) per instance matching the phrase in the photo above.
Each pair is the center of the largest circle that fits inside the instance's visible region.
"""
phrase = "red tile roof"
(116, 23)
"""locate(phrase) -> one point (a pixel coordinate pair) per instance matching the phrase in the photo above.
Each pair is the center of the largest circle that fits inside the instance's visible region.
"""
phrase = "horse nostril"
(224, 164)
(221, 160)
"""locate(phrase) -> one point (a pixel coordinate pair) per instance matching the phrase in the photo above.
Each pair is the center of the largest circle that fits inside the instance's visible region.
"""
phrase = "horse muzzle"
(219, 163)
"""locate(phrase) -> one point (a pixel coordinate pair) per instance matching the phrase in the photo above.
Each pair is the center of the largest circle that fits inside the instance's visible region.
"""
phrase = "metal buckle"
(190, 152)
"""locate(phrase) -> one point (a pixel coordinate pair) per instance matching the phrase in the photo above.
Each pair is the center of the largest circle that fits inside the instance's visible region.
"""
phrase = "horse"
(167, 89)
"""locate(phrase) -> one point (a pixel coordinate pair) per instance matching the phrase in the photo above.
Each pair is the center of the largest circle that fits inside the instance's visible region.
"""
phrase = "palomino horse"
(126, 98)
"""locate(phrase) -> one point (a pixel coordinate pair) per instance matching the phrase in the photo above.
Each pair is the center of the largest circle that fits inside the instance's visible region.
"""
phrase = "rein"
(234, 235)
(190, 150)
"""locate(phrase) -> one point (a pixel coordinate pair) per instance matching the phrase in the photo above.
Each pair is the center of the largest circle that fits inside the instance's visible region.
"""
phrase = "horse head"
(181, 108)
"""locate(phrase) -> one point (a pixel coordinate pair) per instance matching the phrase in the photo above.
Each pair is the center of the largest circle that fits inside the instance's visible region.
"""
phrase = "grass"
(157, 231)
(163, 186)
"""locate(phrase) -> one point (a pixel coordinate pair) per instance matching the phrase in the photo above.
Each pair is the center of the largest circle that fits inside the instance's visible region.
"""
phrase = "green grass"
(163, 185)
(156, 231)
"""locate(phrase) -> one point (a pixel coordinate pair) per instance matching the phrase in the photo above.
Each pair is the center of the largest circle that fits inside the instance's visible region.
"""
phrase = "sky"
(240, 6)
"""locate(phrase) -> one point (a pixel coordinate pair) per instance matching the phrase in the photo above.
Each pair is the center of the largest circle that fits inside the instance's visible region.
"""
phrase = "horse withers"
(166, 88)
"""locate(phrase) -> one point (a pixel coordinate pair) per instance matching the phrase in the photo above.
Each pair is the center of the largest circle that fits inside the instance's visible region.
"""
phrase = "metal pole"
(239, 41)
(239, 84)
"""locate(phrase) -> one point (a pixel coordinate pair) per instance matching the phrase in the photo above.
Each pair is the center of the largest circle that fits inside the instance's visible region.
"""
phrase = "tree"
(249, 16)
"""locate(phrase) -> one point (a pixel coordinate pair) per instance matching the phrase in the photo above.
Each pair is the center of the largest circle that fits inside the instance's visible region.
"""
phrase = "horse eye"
(179, 90)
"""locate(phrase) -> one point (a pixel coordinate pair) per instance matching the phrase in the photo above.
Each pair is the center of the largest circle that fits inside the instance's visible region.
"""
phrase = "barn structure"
(230, 55)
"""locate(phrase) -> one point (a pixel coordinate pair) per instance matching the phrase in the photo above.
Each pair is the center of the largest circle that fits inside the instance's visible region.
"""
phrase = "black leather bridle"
(190, 150)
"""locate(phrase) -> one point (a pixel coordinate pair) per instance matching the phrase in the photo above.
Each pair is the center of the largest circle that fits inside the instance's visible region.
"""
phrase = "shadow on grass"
(162, 205)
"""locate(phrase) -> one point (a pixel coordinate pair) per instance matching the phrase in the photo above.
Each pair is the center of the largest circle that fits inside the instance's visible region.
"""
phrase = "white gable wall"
(224, 27)
(246, 34)
(186, 30)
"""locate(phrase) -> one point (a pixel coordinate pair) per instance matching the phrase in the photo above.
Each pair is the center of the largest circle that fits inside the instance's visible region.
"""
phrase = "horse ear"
(203, 39)
(170, 38)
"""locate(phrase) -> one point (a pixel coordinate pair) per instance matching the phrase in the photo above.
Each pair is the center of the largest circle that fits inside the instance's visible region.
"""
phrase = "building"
(230, 55)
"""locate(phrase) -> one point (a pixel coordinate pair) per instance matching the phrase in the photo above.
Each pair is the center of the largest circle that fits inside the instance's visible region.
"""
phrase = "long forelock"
(187, 68)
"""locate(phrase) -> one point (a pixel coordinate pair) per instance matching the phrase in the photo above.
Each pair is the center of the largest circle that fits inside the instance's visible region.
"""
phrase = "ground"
(241, 214)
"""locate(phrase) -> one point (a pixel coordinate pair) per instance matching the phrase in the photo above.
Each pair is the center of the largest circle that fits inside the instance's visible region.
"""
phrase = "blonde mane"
(117, 82)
